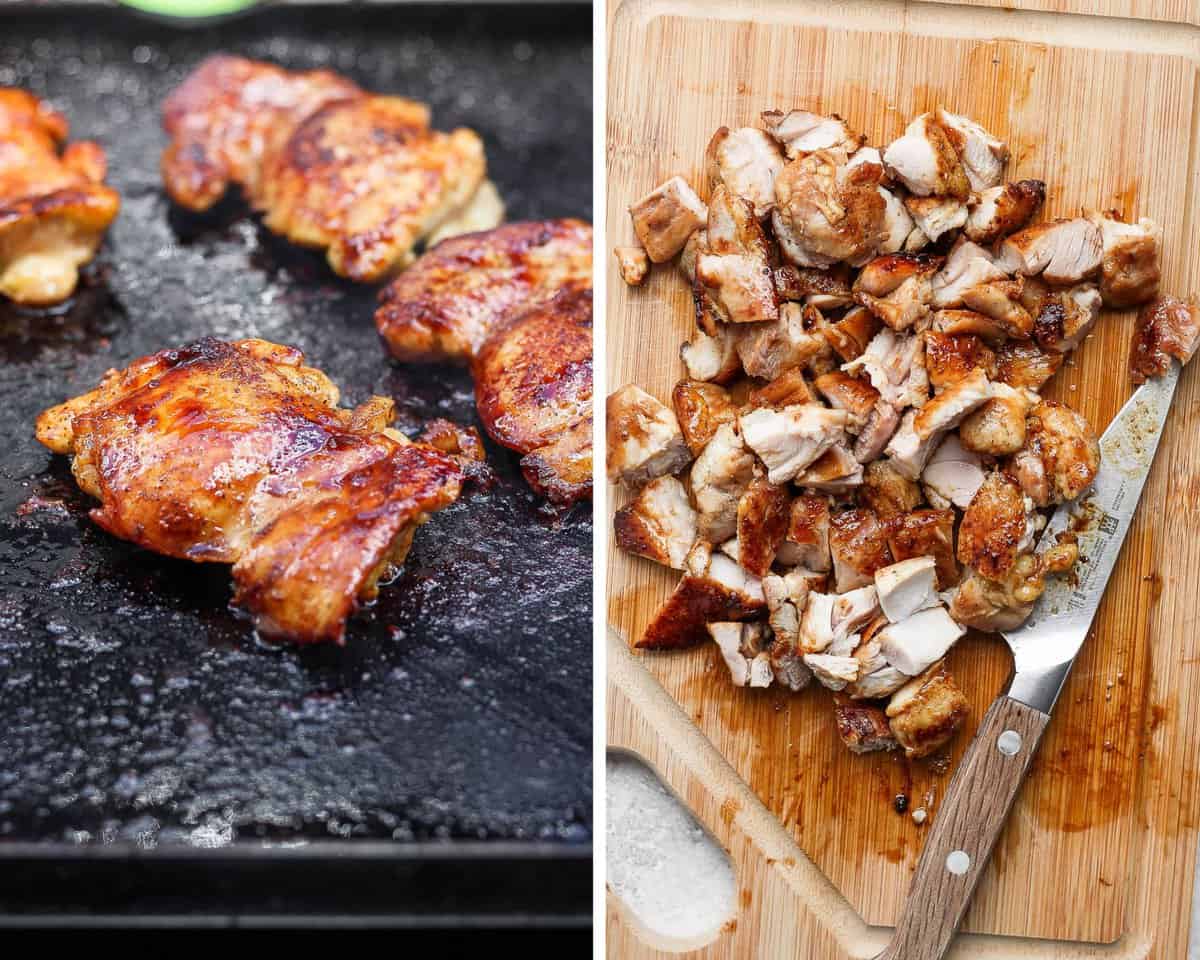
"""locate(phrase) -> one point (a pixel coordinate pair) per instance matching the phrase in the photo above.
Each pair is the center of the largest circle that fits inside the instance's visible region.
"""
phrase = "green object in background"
(190, 9)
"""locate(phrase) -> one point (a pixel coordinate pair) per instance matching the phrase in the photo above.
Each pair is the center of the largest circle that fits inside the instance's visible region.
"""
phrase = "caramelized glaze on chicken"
(54, 208)
(238, 453)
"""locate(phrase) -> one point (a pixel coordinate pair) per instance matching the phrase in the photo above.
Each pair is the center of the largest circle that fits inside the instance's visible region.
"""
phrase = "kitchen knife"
(982, 790)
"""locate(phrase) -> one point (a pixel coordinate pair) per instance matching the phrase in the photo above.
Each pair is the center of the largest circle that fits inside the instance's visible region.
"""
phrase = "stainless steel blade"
(1045, 646)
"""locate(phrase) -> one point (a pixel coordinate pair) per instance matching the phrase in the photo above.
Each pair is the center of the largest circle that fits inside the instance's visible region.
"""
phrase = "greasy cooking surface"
(133, 704)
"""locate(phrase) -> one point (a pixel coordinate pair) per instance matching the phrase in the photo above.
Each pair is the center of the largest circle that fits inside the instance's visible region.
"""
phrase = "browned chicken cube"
(858, 544)
(1060, 457)
(632, 264)
(996, 528)
(925, 160)
(763, 517)
(794, 339)
(658, 524)
(746, 162)
(1004, 209)
(862, 726)
(665, 218)
(787, 389)
(807, 541)
(1129, 271)
(926, 712)
(644, 438)
(1025, 365)
(926, 533)
(887, 491)
(712, 358)
(850, 335)
(950, 357)
(1167, 328)
(701, 408)
(1061, 251)
(997, 428)
(720, 475)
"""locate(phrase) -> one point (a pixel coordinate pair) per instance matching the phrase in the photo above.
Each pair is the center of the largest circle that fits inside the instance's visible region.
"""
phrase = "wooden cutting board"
(1101, 845)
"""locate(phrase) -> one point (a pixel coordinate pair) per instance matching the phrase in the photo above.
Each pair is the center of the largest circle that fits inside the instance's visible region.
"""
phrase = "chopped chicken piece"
(713, 589)
(876, 432)
(816, 626)
(907, 587)
(1002, 210)
(907, 449)
(850, 335)
(988, 605)
(887, 491)
(1166, 328)
(935, 216)
(1062, 251)
(823, 289)
(786, 390)
(853, 395)
(807, 541)
(1060, 457)
(926, 533)
(996, 528)
(827, 210)
(701, 408)
(763, 515)
(1062, 318)
(720, 475)
(877, 684)
(919, 640)
(739, 286)
(898, 225)
(884, 274)
(1025, 365)
(728, 637)
(862, 727)
(786, 596)
(896, 367)
(790, 439)
(746, 162)
(658, 524)
(998, 427)
(633, 264)
(768, 349)
(969, 323)
(851, 612)
(983, 156)
(1129, 272)
(732, 228)
(858, 545)
(761, 674)
(954, 472)
(926, 712)
(802, 132)
(925, 160)
(947, 409)
(967, 266)
(712, 358)
(665, 218)
(906, 304)
(644, 439)
(832, 672)
(835, 471)
(1000, 302)
(950, 357)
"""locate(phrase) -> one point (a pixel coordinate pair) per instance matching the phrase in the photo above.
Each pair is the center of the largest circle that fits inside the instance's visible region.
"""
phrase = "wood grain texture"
(1105, 112)
(1168, 11)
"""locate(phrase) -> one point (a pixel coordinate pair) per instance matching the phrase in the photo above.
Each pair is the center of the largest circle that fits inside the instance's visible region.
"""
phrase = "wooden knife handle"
(976, 804)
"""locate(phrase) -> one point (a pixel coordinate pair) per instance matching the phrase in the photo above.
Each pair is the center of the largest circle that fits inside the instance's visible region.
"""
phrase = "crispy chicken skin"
(927, 711)
(237, 453)
(994, 528)
(1166, 328)
(329, 165)
(533, 390)
(447, 303)
(1060, 457)
(54, 208)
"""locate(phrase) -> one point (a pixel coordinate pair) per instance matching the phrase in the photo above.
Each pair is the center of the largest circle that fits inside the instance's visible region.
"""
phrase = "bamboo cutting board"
(1101, 845)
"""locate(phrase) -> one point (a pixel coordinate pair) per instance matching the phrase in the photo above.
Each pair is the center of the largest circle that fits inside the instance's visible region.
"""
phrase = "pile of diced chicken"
(853, 469)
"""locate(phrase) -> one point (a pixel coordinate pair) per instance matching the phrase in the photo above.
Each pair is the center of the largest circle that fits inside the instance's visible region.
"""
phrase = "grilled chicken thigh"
(54, 207)
(1167, 328)
(238, 453)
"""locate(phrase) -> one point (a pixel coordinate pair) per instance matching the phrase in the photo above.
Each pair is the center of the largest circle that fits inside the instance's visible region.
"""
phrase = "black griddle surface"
(135, 708)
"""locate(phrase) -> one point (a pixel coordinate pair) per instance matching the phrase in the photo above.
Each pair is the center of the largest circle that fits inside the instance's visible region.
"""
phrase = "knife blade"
(1046, 645)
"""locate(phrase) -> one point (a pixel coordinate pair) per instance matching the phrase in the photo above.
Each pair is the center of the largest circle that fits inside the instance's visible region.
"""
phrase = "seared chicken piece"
(786, 596)
(896, 288)
(447, 304)
(900, 230)
(950, 357)
(786, 390)
(483, 211)
(644, 438)
(832, 671)
(852, 611)
(896, 368)
(803, 133)
(807, 541)
(914, 643)
(926, 533)
(713, 589)
(789, 440)
(823, 289)
(1060, 458)
(876, 433)
(853, 395)
(988, 605)
(54, 208)
(795, 339)
(734, 282)
(955, 473)
(720, 475)
(816, 625)
(701, 408)
(712, 358)
(230, 117)
(996, 528)
(237, 453)
(859, 547)
(1025, 365)
(1166, 328)
(907, 587)
(887, 491)
(969, 323)
(950, 407)
(935, 216)
(1000, 302)
(862, 727)
(763, 515)
(632, 264)
(835, 471)
(885, 274)
(658, 524)
(828, 210)
(1129, 272)
(665, 218)
(926, 712)
(967, 266)
(746, 162)
(907, 450)
(742, 647)
(998, 427)
(1061, 251)
(982, 155)
(925, 160)
(1002, 210)
(1062, 318)
(850, 335)
(533, 391)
